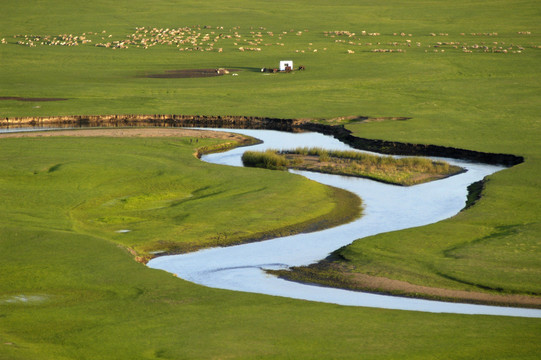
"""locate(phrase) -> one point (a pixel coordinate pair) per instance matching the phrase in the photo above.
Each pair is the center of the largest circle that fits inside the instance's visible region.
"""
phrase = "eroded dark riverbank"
(253, 122)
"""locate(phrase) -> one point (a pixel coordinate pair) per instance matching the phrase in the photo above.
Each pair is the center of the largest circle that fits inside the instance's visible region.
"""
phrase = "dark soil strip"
(17, 98)
(190, 73)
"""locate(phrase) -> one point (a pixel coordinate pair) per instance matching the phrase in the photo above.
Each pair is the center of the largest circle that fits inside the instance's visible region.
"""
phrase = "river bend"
(386, 208)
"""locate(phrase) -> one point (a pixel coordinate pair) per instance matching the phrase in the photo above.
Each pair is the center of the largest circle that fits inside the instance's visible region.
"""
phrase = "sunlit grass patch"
(151, 194)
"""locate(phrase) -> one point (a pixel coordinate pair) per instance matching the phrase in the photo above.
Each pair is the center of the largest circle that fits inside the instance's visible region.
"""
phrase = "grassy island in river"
(398, 171)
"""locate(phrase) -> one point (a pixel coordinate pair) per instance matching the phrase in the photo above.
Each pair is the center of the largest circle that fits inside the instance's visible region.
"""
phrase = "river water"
(386, 208)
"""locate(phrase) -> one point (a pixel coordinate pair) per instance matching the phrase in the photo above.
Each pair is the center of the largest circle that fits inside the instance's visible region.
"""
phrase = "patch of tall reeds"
(268, 160)
(417, 164)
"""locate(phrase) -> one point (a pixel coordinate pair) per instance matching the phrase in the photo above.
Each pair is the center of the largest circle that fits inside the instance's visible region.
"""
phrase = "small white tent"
(286, 63)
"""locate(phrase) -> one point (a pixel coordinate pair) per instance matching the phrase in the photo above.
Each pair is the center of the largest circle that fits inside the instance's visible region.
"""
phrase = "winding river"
(386, 208)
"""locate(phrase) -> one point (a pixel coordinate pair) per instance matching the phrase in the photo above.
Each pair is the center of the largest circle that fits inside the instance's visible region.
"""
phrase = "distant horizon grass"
(90, 300)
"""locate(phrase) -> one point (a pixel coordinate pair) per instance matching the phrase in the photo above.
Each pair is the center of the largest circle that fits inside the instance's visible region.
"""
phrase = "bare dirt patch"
(382, 284)
(190, 73)
(18, 98)
(138, 132)
(337, 275)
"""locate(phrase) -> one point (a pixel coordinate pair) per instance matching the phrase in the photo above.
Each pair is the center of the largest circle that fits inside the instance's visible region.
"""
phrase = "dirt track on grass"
(138, 132)
(380, 284)
(334, 273)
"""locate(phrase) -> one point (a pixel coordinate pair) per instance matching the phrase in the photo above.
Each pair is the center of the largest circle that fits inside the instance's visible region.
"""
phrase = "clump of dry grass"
(268, 160)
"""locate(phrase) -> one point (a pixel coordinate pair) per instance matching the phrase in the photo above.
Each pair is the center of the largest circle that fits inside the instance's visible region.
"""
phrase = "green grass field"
(88, 299)
(168, 200)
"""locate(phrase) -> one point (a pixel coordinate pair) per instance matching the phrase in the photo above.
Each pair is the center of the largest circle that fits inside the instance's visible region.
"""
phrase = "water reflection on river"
(386, 208)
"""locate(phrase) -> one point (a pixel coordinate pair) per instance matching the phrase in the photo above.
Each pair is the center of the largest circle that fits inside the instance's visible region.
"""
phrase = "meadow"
(67, 290)
(152, 195)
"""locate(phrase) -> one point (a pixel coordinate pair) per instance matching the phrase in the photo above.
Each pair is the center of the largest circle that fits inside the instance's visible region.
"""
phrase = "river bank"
(254, 122)
(337, 274)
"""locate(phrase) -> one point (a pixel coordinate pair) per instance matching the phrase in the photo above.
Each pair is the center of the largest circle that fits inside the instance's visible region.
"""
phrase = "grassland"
(152, 194)
(96, 302)
(398, 171)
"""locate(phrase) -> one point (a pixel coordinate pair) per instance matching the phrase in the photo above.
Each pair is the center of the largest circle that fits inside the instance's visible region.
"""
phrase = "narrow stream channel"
(386, 208)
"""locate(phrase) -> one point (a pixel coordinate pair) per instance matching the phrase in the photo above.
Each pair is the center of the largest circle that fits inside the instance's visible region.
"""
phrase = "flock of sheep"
(198, 38)
(492, 47)
(216, 39)
(59, 40)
